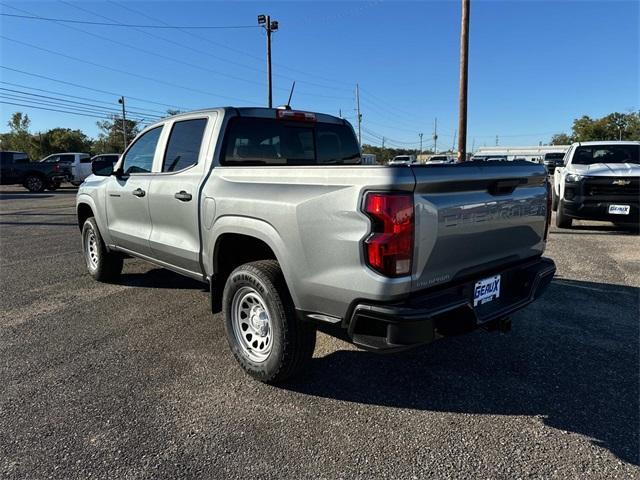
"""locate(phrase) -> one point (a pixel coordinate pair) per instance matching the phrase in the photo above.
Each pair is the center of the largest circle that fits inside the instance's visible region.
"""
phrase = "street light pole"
(420, 135)
(270, 27)
(464, 68)
(124, 122)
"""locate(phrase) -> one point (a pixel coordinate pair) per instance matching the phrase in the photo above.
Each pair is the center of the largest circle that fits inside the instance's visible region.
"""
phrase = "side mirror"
(102, 167)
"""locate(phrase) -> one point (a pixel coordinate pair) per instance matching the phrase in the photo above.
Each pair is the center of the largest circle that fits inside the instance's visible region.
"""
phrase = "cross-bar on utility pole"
(359, 115)
(124, 123)
(464, 68)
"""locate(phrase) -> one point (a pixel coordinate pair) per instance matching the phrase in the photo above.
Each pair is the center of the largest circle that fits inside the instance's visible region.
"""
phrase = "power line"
(128, 25)
(146, 111)
(235, 50)
(105, 92)
(63, 100)
(107, 67)
(54, 110)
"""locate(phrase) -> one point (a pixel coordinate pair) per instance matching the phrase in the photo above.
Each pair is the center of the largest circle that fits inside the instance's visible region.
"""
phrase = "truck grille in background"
(604, 186)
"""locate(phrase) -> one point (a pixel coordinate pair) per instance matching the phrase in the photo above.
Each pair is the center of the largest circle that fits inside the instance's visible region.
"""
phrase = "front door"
(127, 199)
(173, 199)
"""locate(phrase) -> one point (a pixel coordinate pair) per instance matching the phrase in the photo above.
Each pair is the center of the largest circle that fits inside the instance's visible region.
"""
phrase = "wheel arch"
(238, 240)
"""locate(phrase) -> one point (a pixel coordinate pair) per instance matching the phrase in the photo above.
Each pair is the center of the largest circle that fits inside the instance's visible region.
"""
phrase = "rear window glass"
(588, 155)
(184, 144)
(20, 158)
(263, 141)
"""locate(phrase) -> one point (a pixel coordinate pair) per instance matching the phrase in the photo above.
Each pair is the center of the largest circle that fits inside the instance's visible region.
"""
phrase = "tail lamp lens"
(389, 248)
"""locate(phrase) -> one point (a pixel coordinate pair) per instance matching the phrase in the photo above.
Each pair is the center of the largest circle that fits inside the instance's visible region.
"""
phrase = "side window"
(66, 158)
(183, 147)
(139, 157)
(85, 159)
(52, 159)
(567, 156)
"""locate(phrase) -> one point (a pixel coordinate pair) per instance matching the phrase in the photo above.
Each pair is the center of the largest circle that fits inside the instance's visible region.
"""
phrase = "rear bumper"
(428, 315)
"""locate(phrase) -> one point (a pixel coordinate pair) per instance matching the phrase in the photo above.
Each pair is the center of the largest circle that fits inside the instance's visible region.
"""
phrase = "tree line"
(615, 126)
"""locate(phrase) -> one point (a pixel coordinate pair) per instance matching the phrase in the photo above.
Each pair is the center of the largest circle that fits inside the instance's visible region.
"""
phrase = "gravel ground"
(135, 380)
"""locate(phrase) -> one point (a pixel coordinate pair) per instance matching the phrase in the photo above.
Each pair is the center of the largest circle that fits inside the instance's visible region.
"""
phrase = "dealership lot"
(135, 379)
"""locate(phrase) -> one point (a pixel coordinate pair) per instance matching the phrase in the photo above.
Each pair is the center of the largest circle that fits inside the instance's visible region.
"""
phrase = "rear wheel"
(34, 183)
(562, 220)
(267, 339)
(102, 264)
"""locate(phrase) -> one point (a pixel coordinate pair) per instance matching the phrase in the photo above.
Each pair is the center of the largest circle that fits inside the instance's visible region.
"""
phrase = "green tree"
(614, 126)
(59, 140)
(19, 137)
(561, 139)
(110, 139)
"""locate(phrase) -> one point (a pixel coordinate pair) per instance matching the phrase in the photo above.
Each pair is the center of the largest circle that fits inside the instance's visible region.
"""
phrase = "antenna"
(291, 93)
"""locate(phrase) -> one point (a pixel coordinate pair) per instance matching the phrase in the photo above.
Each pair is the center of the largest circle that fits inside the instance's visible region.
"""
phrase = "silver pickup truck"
(272, 208)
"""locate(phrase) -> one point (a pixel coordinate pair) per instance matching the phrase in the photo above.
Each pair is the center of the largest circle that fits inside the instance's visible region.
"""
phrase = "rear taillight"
(548, 216)
(56, 168)
(389, 248)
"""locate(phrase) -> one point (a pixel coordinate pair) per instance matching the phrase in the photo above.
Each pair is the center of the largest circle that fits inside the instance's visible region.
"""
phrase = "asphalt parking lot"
(135, 380)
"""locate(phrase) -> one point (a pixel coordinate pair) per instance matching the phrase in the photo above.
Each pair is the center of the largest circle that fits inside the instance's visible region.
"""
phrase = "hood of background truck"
(607, 170)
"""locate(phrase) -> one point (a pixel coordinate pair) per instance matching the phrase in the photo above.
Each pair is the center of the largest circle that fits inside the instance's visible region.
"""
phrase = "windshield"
(263, 141)
(588, 155)
(554, 156)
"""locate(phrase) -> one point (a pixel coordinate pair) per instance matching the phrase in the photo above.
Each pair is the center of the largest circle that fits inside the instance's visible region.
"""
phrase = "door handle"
(138, 192)
(183, 196)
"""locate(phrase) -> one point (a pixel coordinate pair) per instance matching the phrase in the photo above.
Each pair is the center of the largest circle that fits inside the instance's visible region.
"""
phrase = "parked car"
(16, 169)
(79, 163)
(600, 181)
(553, 160)
(273, 210)
(403, 160)
(489, 158)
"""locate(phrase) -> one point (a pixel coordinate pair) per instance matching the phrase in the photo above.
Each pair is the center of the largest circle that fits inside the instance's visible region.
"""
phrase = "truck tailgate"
(475, 217)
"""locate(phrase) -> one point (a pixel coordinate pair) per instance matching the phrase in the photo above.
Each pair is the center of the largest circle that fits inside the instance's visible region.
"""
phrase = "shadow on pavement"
(572, 359)
(160, 278)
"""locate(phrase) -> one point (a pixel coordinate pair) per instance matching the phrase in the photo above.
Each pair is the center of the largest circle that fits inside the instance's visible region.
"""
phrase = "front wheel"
(562, 220)
(267, 339)
(102, 264)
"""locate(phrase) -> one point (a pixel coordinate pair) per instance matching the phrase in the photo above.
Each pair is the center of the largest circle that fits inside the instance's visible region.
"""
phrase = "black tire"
(102, 264)
(562, 221)
(292, 340)
(35, 183)
(53, 186)
(554, 199)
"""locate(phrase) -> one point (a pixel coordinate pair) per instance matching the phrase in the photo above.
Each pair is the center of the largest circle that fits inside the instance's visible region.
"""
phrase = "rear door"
(473, 217)
(84, 167)
(128, 194)
(174, 190)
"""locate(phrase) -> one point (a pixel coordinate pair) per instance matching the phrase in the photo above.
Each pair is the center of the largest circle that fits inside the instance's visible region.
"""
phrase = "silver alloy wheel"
(34, 184)
(251, 324)
(91, 249)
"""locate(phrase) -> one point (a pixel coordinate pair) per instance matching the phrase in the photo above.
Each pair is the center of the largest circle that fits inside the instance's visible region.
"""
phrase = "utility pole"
(435, 136)
(124, 122)
(270, 27)
(359, 114)
(453, 145)
(473, 145)
(420, 135)
(382, 142)
(464, 69)
(496, 140)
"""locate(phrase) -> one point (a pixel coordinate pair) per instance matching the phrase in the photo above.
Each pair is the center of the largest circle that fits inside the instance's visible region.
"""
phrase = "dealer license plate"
(619, 209)
(486, 290)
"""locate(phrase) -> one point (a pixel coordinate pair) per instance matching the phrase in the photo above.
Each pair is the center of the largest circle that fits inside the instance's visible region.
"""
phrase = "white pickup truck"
(80, 164)
(599, 181)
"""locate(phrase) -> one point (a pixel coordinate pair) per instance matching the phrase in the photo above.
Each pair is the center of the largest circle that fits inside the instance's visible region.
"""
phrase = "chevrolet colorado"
(599, 181)
(273, 209)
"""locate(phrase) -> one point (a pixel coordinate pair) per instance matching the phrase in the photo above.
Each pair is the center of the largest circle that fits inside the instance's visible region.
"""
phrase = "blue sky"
(534, 66)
